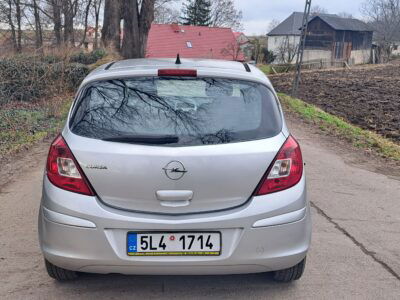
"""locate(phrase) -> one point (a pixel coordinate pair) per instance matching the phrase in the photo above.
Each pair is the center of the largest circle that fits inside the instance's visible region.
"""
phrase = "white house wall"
(360, 57)
(397, 51)
(314, 55)
(275, 42)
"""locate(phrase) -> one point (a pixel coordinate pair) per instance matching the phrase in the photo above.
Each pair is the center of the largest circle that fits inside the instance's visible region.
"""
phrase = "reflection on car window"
(197, 110)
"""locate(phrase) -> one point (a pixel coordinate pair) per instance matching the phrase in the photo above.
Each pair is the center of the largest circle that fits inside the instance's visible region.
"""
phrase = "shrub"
(269, 56)
(21, 80)
(51, 59)
(24, 79)
(88, 58)
(74, 74)
(99, 53)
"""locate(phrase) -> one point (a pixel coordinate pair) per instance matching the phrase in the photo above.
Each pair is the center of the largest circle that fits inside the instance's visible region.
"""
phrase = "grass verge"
(265, 68)
(360, 138)
(21, 126)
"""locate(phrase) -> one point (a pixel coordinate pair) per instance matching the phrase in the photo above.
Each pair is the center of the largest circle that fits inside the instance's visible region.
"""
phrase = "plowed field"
(367, 97)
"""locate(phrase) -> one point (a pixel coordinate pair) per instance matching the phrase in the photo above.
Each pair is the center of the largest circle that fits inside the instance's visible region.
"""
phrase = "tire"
(60, 274)
(290, 274)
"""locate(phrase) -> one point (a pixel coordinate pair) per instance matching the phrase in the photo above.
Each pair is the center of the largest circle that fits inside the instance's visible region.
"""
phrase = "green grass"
(275, 69)
(265, 68)
(360, 138)
(21, 127)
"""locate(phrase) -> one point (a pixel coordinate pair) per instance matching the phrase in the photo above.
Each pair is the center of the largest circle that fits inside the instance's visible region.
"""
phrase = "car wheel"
(58, 273)
(290, 274)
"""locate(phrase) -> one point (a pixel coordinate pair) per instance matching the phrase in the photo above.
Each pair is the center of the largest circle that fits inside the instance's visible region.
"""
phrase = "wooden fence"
(311, 65)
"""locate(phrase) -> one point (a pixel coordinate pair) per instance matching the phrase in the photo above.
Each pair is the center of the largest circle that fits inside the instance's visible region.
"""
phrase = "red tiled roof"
(237, 34)
(166, 41)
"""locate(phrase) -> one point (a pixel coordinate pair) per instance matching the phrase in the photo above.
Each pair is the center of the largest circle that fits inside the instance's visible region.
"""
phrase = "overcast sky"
(258, 13)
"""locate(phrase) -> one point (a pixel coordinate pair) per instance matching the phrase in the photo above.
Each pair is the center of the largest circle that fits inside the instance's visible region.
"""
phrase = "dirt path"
(355, 251)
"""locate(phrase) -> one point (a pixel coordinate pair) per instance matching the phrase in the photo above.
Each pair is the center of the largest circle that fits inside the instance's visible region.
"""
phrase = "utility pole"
(300, 50)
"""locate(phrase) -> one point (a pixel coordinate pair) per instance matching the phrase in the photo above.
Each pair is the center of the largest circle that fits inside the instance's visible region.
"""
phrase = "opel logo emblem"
(174, 170)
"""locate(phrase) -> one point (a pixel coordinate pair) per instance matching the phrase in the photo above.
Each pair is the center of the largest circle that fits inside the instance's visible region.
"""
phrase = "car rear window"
(195, 111)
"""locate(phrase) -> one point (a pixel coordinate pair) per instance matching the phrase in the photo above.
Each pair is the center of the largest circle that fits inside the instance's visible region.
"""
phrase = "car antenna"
(178, 60)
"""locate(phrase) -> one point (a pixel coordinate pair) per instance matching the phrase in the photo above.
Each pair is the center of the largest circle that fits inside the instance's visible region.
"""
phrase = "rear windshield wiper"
(144, 139)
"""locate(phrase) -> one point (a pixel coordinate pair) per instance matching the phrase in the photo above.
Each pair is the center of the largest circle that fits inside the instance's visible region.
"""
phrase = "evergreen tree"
(197, 12)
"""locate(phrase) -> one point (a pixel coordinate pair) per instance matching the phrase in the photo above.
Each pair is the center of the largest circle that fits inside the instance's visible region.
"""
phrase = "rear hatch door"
(175, 145)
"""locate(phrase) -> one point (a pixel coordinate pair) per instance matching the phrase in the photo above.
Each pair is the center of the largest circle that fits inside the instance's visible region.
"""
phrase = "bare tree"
(85, 22)
(164, 14)
(317, 10)
(18, 17)
(345, 15)
(111, 32)
(56, 16)
(12, 14)
(256, 55)
(137, 22)
(38, 25)
(287, 51)
(52, 11)
(272, 24)
(233, 50)
(384, 17)
(10, 20)
(69, 9)
(97, 6)
(224, 14)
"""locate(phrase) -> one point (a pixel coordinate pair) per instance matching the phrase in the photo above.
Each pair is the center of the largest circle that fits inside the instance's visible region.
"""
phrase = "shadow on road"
(233, 286)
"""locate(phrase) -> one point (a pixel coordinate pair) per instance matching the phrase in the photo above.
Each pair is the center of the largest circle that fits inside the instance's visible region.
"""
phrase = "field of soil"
(367, 97)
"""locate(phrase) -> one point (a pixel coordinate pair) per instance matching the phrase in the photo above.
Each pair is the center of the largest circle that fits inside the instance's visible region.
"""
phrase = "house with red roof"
(167, 40)
(245, 44)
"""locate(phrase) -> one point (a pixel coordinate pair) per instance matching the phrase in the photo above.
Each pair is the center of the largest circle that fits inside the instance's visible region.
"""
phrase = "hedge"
(29, 79)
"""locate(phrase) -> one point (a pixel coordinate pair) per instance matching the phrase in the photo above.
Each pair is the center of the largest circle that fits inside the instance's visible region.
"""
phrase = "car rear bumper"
(269, 233)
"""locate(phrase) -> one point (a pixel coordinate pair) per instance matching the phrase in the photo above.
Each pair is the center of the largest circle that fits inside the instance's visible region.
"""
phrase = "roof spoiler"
(246, 66)
(109, 65)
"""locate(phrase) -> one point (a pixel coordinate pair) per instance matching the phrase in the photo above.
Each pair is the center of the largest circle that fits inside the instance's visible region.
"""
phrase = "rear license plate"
(174, 243)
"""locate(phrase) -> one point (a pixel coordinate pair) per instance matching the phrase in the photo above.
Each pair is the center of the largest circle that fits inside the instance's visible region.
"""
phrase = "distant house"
(245, 44)
(338, 38)
(396, 48)
(284, 37)
(329, 38)
(167, 40)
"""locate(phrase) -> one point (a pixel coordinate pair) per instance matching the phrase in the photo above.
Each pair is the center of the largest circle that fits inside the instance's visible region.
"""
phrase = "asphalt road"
(355, 250)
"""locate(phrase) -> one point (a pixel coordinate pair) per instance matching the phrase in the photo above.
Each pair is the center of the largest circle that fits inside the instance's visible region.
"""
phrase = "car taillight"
(63, 170)
(285, 171)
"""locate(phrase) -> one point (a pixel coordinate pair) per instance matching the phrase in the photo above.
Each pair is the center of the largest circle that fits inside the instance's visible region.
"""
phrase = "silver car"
(175, 167)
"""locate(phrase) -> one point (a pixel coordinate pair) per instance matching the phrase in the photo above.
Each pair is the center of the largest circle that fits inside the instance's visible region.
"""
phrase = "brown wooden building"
(345, 39)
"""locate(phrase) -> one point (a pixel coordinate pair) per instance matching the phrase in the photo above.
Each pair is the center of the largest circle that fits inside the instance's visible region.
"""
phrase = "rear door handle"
(174, 198)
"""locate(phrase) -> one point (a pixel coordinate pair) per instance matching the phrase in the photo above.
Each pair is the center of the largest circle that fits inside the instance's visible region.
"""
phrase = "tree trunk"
(131, 38)
(11, 23)
(68, 28)
(146, 18)
(97, 6)
(56, 7)
(19, 29)
(111, 32)
(87, 10)
(69, 14)
(96, 32)
(38, 26)
(136, 27)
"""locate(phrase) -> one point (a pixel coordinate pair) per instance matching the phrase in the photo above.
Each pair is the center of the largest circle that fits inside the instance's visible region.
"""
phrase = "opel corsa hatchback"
(166, 168)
